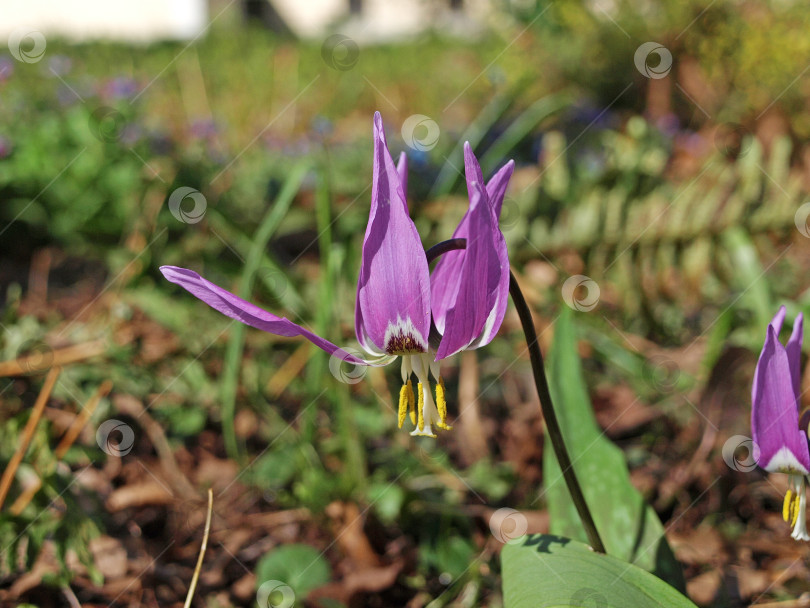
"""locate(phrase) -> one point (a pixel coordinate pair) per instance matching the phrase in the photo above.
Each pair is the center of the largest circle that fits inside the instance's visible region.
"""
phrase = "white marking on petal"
(489, 325)
(401, 331)
(785, 462)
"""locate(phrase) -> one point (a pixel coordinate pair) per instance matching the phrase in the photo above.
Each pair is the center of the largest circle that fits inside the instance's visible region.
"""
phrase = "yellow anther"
(794, 508)
(411, 403)
(420, 406)
(441, 405)
(786, 506)
(403, 404)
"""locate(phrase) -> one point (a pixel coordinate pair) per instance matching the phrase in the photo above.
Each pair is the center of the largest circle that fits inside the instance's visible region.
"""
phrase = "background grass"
(683, 211)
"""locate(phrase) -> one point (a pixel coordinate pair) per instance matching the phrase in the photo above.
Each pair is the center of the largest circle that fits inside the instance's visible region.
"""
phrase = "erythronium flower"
(783, 446)
(397, 299)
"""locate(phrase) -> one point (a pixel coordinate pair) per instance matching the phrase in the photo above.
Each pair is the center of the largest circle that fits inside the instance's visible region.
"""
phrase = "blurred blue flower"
(203, 129)
(668, 124)
(59, 65)
(121, 87)
(131, 134)
(322, 126)
(6, 68)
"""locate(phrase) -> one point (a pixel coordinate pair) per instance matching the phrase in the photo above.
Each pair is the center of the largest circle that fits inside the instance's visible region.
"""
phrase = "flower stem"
(546, 404)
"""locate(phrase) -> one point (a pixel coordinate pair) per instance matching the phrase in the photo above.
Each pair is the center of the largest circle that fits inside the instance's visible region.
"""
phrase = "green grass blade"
(520, 128)
(236, 343)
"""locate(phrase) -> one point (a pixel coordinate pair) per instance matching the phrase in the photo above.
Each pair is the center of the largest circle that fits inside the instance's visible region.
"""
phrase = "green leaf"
(748, 276)
(301, 568)
(630, 529)
(546, 571)
(236, 342)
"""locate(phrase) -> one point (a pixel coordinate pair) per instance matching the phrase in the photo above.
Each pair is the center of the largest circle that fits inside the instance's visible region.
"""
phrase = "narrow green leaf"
(545, 571)
(236, 343)
(749, 278)
(449, 173)
(629, 527)
(520, 128)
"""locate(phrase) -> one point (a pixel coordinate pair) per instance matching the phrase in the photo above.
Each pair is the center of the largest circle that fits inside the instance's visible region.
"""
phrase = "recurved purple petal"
(451, 271)
(779, 319)
(775, 413)
(794, 354)
(480, 298)
(235, 307)
(392, 314)
(496, 187)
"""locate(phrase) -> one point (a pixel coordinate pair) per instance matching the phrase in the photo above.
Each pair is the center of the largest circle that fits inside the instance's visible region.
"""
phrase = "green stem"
(546, 404)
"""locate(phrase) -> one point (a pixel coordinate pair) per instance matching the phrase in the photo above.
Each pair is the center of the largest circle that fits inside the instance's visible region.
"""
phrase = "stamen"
(441, 405)
(420, 407)
(411, 402)
(403, 404)
(786, 506)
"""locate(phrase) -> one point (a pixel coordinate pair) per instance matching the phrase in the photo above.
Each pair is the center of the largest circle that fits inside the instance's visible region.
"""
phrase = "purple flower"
(397, 299)
(783, 446)
(121, 87)
(6, 68)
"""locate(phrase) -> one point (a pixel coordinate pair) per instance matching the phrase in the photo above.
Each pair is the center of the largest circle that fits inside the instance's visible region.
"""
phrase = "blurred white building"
(140, 21)
(147, 20)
